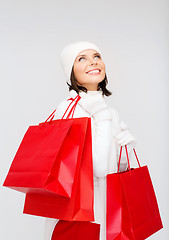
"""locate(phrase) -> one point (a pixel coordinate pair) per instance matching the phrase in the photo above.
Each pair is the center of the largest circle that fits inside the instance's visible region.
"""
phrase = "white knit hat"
(70, 52)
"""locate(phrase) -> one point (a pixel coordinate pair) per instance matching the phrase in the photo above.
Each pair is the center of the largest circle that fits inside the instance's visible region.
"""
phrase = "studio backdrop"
(133, 36)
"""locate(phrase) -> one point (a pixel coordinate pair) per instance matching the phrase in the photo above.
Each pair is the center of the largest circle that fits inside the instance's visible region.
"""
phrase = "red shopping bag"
(48, 157)
(132, 209)
(80, 206)
(76, 231)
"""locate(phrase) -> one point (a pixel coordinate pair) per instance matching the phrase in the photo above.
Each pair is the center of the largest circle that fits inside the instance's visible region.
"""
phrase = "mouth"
(95, 71)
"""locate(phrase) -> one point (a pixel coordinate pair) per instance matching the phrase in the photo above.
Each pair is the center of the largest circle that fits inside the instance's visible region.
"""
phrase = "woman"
(85, 69)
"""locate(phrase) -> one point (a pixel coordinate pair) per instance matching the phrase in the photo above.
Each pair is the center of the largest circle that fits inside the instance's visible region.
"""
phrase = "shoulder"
(61, 108)
(114, 113)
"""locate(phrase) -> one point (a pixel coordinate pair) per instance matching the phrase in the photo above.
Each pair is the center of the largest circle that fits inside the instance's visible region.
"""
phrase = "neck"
(91, 87)
(93, 90)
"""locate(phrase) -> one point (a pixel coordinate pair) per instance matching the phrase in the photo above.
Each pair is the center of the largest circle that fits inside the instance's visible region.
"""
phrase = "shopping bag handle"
(51, 116)
(74, 106)
(127, 158)
(75, 100)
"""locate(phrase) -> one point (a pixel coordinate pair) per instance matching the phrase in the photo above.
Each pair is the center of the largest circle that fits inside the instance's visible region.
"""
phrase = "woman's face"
(86, 61)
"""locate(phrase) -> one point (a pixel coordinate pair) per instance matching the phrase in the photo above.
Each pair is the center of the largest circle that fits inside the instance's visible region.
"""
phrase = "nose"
(92, 61)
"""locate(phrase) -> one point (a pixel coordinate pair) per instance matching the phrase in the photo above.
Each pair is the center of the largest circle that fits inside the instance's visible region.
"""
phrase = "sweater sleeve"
(116, 130)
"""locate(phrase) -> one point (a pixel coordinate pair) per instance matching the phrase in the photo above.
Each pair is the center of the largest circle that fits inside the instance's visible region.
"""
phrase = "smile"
(94, 72)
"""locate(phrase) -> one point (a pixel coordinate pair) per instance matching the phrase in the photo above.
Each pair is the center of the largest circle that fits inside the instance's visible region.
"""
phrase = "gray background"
(133, 36)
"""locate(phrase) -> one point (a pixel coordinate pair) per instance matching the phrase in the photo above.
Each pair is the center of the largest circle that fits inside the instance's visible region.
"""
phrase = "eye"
(94, 57)
(80, 58)
(97, 56)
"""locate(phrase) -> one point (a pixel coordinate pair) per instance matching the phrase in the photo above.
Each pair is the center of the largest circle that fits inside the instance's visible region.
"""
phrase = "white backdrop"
(133, 36)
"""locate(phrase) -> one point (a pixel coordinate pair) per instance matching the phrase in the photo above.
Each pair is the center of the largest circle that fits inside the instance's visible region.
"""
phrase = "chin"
(93, 79)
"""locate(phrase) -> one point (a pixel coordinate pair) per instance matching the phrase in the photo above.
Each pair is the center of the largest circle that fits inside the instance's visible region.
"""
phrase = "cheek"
(103, 66)
(79, 70)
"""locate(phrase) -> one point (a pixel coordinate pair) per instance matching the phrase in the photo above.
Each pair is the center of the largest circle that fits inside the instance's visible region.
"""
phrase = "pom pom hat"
(71, 51)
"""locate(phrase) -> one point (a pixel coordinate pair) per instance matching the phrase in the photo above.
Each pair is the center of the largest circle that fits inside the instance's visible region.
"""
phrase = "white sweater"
(105, 151)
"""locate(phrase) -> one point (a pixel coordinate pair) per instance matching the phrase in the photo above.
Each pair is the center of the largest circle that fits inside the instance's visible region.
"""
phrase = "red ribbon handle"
(51, 116)
(127, 158)
(72, 109)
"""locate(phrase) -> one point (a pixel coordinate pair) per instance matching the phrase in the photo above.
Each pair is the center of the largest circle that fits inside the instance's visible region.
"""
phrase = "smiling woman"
(89, 69)
(86, 77)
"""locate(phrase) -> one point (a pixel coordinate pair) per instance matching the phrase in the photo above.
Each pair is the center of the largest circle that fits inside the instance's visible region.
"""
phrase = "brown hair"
(102, 85)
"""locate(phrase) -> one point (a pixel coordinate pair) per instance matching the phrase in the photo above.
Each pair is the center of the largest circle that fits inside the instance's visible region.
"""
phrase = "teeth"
(94, 71)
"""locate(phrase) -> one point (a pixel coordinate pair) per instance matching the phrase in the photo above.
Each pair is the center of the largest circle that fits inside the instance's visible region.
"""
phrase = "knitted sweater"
(105, 150)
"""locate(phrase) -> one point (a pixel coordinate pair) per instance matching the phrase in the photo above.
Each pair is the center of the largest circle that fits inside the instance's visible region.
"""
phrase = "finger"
(126, 139)
(122, 134)
(123, 140)
(127, 142)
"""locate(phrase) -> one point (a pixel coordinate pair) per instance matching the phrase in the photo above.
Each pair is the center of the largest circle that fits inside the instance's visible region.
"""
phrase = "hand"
(125, 137)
